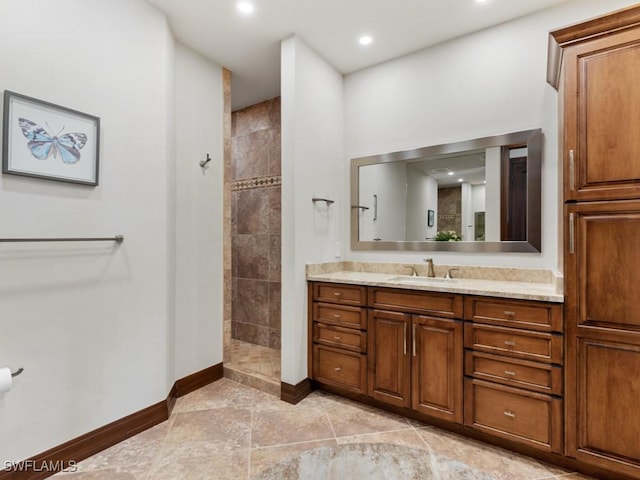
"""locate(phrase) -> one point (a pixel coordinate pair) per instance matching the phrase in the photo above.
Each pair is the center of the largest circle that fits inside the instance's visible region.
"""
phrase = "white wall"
(92, 324)
(88, 322)
(478, 202)
(386, 217)
(466, 207)
(492, 217)
(312, 163)
(422, 195)
(199, 213)
(483, 84)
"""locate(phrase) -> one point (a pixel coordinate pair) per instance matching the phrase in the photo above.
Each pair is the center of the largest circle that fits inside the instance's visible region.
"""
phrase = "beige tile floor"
(254, 365)
(230, 431)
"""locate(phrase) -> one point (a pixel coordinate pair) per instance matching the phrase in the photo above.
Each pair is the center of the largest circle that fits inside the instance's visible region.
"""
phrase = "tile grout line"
(423, 439)
(250, 443)
(170, 421)
(326, 414)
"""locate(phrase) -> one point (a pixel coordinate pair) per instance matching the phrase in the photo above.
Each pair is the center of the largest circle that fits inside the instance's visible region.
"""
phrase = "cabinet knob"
(337, 294)
(336, 316)
(510, 343)
(336, 338)
(509, 313)
(510, 372)
(509, 413)
(337, 369)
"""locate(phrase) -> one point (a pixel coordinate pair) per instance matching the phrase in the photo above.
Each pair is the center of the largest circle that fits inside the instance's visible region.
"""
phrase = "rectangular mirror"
(480, 195)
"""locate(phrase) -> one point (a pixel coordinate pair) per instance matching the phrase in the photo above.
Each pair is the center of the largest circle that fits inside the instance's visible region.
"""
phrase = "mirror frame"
(533, 244)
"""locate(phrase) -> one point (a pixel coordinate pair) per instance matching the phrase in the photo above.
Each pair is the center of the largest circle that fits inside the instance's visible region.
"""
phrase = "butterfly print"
(43, 145)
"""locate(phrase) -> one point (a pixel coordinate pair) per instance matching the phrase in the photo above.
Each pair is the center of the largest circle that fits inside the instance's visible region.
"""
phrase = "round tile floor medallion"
(370, 461)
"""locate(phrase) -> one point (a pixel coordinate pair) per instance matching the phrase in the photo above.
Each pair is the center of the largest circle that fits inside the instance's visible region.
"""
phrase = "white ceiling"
(249, 45)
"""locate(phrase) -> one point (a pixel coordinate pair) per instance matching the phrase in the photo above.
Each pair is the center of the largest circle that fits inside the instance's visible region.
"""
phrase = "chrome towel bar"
(117, 239)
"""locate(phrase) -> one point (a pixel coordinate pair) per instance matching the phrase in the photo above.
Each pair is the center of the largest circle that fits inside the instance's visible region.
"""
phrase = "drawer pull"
(337, 369)
(336, 315)
(510, 372)
(337, 294)
(509, 313)
(336, 338)
(509, 413)
(510, 343)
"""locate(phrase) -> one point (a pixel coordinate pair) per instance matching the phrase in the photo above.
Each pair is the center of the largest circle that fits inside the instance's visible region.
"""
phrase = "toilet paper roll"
(6, 380)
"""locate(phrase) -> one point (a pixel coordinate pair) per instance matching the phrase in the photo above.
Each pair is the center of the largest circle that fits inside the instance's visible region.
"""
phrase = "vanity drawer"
(538, 346)
(340, 368)
(539, 316)
(536, 376)
(340, 337)
(349, 317)
(340, 293)
(447, 305)
(519, 415)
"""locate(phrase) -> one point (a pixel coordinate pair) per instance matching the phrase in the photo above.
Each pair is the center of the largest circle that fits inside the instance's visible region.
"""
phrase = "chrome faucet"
(430, 265)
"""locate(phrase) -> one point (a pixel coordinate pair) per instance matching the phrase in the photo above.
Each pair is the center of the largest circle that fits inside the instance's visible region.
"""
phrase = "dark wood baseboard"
(54, 460)
(66, 455)
(295, 393)
(197, 380)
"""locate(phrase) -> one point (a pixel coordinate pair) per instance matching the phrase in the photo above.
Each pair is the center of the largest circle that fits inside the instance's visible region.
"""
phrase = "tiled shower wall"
(255, 215)
(450, 209)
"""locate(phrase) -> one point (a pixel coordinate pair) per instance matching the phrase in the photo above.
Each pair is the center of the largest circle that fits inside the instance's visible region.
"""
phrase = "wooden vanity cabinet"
(415, 360)
(513, 368)
(493, 365)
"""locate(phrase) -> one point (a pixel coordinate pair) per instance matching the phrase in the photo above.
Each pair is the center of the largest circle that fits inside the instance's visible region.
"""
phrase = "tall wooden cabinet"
(599, 86)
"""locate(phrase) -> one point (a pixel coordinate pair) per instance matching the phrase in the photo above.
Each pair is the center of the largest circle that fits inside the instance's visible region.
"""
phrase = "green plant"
(448, 236)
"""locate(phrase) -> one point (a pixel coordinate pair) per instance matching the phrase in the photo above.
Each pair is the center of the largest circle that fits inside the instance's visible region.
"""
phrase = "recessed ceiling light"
(365, 40)
(450, 173)
(461, 179)
(245, 7)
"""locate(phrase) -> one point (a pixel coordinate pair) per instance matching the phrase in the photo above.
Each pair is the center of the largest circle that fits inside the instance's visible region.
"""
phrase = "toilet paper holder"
(17, 372)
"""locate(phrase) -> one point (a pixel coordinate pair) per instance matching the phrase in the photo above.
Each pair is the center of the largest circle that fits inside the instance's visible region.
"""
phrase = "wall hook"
(325, 200)
(18, 372)
(203, 163)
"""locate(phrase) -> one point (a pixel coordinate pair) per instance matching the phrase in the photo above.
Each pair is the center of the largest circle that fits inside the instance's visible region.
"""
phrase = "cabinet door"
(602, 101)
(603, 391)
(602, 268)
(389, 360)
(437, 370)
(602, 265)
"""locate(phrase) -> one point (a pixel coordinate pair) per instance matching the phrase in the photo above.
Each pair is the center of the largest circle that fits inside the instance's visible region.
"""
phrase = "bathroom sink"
(426, 280)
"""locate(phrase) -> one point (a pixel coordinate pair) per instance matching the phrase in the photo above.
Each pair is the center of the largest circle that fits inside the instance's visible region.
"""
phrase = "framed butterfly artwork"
(48, 141)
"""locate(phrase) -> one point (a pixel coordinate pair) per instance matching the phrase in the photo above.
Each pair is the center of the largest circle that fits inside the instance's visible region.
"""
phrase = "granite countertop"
(526, 284)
